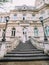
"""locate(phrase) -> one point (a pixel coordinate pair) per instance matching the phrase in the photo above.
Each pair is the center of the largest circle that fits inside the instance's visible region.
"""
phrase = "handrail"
(3, 50)
(40, 46)
(37, 44)
(15, 42)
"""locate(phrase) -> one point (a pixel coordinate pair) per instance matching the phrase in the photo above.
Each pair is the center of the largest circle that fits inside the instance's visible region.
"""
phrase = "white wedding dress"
(24, 39)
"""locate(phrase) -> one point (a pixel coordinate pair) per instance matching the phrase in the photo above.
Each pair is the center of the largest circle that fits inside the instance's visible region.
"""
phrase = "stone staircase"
(25, 52)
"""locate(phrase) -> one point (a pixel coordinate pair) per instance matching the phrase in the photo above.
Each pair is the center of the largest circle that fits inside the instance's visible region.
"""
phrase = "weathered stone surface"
(26, 63)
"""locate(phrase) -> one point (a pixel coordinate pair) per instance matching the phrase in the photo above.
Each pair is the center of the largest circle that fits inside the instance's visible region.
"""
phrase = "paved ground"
(26, 63)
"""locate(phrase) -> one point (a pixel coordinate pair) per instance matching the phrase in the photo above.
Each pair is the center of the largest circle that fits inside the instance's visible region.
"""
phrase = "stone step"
(24, 52)
(26, 45)
(24, 58)
(24, 55)
(28, 52)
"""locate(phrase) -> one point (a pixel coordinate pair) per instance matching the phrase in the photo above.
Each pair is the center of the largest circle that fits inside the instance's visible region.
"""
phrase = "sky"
(11, 5)
(22, 2)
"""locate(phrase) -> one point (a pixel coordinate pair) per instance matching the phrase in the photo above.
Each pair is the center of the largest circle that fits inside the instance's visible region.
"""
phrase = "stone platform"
(26, 63)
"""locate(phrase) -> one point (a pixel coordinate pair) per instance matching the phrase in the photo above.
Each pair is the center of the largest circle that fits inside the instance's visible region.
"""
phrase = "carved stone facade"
(26, 17)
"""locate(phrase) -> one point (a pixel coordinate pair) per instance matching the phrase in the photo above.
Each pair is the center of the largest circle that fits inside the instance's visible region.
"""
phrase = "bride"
(24, 35)
(24, 39)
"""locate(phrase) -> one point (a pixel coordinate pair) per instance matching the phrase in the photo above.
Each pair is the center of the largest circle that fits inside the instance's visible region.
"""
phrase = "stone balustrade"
(13, 43)
(37, 44)
(3, 50)
(46, 48)
(41, 45)
(8, 46)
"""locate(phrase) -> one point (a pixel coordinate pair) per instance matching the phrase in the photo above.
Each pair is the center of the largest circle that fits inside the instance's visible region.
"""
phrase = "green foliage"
(4, 0)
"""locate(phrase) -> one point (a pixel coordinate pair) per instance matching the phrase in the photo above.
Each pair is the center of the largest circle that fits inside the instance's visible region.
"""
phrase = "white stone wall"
(30, 19)
(28, 16)
(1, 31)
(40, 33)
(47, 1)
(19, 32)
